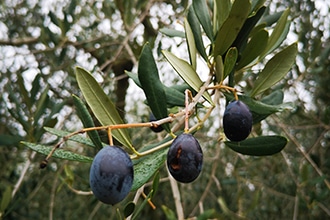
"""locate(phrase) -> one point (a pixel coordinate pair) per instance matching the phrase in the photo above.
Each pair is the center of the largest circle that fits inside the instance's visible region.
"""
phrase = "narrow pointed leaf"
(144, 170)
(203, 15)
(245, 31)
(152, 86)
(187, 73)
(103, 108)
(223, 10)
(230, 61)
(275, 69)
(231, 27)
(172, 32)
(196, 30)
(173, 96)
(77, 138)
(6, 198)
(259, 146)
(279, 33)
(254, 48)
(219, 69)
(191, 44)
(59, 153)
(257, 4)
(87, 121)
(42, 104)
(23, 92)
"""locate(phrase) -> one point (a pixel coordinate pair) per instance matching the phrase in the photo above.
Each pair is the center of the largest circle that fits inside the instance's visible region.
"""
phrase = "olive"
(185, 158)
(237, 121)
(111, 175)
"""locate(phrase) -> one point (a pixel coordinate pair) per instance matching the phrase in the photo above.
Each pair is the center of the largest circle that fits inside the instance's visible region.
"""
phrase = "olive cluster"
(111, 173)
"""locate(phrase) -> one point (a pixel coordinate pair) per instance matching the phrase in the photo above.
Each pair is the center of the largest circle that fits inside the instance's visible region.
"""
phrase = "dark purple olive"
(111, 175)
(237, 121)
(185, 158)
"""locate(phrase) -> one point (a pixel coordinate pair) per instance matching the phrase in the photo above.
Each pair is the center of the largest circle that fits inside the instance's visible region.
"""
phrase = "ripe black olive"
(185, 158)
(111, 175)
(237, 121)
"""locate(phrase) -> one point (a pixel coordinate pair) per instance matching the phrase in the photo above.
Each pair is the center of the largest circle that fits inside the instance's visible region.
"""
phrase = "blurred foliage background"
(41, 42)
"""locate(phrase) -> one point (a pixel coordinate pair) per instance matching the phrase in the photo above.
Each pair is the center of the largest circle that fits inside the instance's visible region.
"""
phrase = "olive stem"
(220, 86)
(186, 125)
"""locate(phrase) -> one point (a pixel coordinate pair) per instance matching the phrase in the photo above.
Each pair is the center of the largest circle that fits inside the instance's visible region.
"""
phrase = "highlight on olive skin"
(185, 158)
(111, 175)
(237, 121)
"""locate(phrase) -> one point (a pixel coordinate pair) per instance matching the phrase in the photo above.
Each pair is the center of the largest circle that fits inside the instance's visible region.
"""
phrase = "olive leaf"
(275, 69)
(253, 49)
(231, 27)
(196, 30)
(278, 34)
(187, 73)
(103, 108)
(59, 153)
(152, 86)
(203, 16)
(87, 121)
(259, 146)
(191, 44)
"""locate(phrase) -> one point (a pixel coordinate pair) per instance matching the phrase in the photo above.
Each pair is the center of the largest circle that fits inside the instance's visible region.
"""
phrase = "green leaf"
(196, 30)
(207, 214)
(191, 44)
(6, 198)
(257, 4)
(230, 61)
(41, 105)
(202, 13)
(259, 146)
(155, 183)
(223, 10)
(275, 69)
(152, 86)
(59, 153)
(274, 98)
(244, 33)
(172, 33)
(254, 48)
(170, 215)
(87, 121)
(187, 73)
(279, 33)
(76, 138)
(146, 167)
(23, 92)
(174, 97)
(35, 88)
(231, 27)
(219, 69)
(103, 108)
